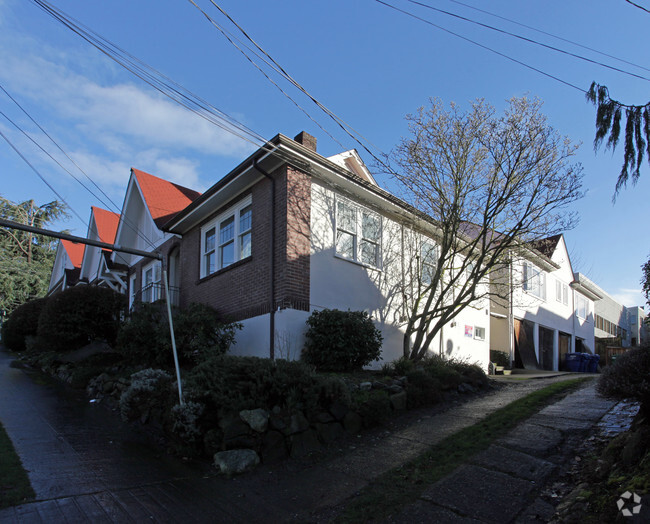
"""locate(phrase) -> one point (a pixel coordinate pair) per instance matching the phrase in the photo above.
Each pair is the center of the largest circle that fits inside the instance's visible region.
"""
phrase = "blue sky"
(369, 64)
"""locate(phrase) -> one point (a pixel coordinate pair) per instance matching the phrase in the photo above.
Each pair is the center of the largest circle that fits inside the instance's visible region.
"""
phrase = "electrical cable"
(128, 223)
(526, 39)
(42, 178)
(351, 132)
(572, 42)
(524, 64)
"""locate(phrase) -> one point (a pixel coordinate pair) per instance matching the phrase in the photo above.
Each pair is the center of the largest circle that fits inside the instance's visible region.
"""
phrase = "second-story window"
(428, 261)
(358, 234)
(534, 280)
(227, 239)
(561, 292)
(582, 307)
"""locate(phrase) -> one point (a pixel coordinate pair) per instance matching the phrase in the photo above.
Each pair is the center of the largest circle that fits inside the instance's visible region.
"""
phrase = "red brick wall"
(242, 290)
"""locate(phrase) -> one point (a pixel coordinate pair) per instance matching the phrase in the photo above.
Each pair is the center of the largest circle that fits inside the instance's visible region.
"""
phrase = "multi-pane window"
(358, 234)
(428, 261)
(479, 333)
(582, 307)
(534, 280)
(227, 239)
(562, 292)
(151, 282)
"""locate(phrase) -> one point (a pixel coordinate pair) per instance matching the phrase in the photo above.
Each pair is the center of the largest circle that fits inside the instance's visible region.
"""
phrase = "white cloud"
(80, 89)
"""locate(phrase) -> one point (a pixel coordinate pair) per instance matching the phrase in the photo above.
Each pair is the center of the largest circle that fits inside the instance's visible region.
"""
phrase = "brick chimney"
(306, 140)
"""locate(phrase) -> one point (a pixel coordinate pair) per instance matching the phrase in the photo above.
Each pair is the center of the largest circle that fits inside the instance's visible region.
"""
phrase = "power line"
(42, 178)
(524, 64)
(154, 78)
(637, 5)
(128, 223)
(161, 83)
(115, 206)
(273, 64)
(526, 39)
(572, 42)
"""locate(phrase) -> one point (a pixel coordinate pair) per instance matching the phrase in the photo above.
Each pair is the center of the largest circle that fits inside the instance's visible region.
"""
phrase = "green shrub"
(23, 322)
(442, 370)
(76, 316)
(341, 341)
(628, 378)
(500, 358)
(229, 384)
(372, 406)
(200, 334)
(401, 366)
(149, 396)
(422, 389)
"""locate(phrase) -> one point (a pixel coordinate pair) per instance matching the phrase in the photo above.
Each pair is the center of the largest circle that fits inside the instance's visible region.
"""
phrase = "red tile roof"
(75, 252)
(163, 198)
(106, 222)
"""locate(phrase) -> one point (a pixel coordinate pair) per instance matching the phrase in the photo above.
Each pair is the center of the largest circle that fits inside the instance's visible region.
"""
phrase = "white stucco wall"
(549, 312)
(253, 339)
(339, 283)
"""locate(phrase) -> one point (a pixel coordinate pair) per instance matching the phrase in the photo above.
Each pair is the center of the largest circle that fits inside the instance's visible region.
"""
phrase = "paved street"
(87, 466)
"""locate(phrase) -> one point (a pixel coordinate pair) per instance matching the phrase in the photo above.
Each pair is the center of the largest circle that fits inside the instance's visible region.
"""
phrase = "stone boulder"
(236, 461)
(257, 419)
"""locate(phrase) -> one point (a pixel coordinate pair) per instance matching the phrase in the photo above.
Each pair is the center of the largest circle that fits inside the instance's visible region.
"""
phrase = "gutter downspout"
(272, 270)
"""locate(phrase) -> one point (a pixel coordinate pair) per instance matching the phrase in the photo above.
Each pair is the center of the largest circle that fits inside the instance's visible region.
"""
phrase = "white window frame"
(534, 280)
(154, 283)
(355, 232)
(132, 292)
(561, 292)
(241, 238)
(428, 261)
(479, 333)
(582, 306)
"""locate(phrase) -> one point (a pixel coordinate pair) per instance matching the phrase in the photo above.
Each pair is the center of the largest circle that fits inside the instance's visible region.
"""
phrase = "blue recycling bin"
(593, 363)
(584, 362)
(572, 362)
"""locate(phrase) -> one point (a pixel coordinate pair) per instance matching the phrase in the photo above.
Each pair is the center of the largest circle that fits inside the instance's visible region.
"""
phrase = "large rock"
(257, 419)
(236, 461)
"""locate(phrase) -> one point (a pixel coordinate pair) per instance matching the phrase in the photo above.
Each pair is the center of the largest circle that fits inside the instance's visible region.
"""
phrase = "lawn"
(14, 483)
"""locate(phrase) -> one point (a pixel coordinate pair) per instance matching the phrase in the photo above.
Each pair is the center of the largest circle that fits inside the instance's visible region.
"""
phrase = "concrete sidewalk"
(86, 466)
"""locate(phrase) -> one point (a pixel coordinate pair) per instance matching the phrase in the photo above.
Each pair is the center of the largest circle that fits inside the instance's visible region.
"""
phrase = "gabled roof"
(163, 198)
(351, 161)
(74, 251)
(547, 246)
(106, 223)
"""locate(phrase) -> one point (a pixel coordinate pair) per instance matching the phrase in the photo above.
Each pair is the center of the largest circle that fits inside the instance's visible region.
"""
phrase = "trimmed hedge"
(22, 322)
(341, 341)
(78, 315)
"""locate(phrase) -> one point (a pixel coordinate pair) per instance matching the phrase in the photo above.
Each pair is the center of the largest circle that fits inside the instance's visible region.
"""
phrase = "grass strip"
(403, 485)
(14, 483)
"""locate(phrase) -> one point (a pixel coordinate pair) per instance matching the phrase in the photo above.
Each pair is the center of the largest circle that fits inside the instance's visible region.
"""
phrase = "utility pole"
(104, 245)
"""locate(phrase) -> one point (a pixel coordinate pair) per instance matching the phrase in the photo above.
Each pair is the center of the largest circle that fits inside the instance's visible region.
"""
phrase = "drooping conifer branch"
(609, 114)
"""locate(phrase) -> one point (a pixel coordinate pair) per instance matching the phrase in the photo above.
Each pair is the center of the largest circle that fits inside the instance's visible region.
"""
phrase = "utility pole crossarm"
(80, 240)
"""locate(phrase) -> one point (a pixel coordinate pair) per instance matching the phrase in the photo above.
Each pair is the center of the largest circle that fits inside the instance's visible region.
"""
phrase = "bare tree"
(491, 185)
